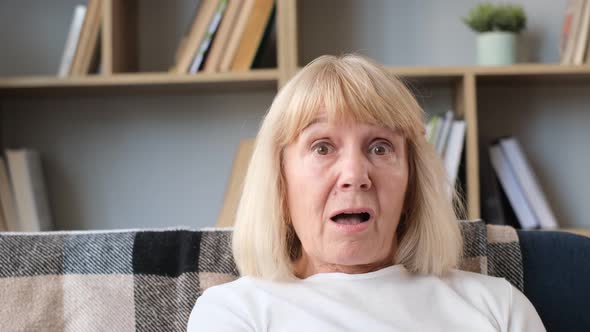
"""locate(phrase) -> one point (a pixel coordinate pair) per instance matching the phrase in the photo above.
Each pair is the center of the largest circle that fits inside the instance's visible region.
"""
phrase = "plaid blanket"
(148, 280)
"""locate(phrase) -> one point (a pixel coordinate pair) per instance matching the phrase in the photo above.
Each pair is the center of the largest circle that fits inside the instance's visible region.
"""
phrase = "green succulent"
(487, 17)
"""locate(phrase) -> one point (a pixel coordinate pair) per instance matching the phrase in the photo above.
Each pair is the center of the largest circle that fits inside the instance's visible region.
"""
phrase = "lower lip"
(352, 228)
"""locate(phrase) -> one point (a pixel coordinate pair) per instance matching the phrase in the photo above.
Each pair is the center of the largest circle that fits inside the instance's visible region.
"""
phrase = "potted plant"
(497, 26)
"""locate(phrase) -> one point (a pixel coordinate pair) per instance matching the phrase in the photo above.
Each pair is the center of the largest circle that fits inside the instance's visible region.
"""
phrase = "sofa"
(149, 280)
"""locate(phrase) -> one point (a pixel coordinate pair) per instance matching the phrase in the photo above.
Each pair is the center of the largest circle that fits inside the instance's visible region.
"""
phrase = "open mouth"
(349, 218)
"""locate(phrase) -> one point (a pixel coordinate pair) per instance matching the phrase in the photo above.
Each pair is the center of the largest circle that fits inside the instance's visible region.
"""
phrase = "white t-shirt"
(391, 299)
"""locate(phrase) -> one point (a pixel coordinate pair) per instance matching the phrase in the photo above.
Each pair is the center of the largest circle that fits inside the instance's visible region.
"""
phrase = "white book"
(72, 41)
(574, 29)
(582, 37)
(443, 137)
(29, 190)
(528, 182)
(7, 199)
(507, 178)
(213, 25)
(452, 157)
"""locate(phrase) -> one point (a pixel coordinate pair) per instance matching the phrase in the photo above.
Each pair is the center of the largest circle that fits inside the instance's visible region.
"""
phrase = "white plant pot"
(496, 48)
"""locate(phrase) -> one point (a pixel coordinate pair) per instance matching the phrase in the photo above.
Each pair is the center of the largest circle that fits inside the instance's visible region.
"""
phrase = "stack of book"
(228, 35)
(24, 206)
(447, 135)
(574, 45)
(81, 54)
(520, 186)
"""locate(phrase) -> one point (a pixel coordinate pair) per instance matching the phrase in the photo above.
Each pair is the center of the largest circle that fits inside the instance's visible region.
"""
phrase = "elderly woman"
(345, 222)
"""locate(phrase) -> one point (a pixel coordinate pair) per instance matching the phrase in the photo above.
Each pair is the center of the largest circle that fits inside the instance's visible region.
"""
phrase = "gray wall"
(419, 32)
(130, 161)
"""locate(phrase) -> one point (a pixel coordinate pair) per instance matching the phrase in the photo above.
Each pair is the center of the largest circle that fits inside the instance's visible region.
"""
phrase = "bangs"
(343, 91)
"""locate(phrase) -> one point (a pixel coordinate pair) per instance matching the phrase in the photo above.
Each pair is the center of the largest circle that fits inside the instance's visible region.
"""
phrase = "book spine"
(512, 189)
(527, 180)
(72, 41)
(7, 198)
(236, 36)
(213, 26)
(452, 156)
(223, 35)
(29, 190)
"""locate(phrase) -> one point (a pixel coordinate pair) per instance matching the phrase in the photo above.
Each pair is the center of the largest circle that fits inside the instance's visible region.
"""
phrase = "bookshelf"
(137, 83)
(305, 29)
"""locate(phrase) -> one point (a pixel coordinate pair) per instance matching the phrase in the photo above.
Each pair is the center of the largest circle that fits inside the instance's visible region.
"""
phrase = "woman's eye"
(381, 148)
(322, 148)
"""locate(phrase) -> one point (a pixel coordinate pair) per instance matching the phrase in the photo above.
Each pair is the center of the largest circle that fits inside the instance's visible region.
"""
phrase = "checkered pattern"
(149, 280)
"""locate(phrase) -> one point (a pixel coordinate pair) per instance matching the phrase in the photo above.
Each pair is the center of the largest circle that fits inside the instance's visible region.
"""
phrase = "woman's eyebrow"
(391, 132)
(321, 119)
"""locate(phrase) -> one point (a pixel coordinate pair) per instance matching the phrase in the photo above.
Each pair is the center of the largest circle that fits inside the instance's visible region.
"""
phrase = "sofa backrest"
(149, 280)
(556, 278)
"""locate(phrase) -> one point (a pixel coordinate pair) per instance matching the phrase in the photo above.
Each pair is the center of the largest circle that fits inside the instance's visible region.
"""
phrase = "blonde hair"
(356, 88)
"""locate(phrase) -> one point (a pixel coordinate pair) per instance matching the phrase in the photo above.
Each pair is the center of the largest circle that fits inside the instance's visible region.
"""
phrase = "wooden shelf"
(532, 72)
(429, 75)
(141, 83)
(268, 78)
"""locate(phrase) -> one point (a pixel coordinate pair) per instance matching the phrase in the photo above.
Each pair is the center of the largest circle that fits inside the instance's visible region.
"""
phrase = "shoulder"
(224, 305)
(233, 289)
(490, 296)
(509, 306)
(482, 291)
(479, 283)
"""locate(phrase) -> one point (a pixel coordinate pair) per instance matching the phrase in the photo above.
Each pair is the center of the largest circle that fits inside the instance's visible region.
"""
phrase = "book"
(266, 55)
(197, 34)
(510, 185)
(428, 126)
(528, 182)
(72, 40)
(95, 65)
(222, 36)
(234, 188)
(492, 203)
(566, 27)
(88, 39)
(454, 149)
(576, 9)
(252, 35)
(236, 35)
(28, 184)
(582, 37)
(443, 135)
(212, 29)
(435, 127)
(187, 31)
(9, 210)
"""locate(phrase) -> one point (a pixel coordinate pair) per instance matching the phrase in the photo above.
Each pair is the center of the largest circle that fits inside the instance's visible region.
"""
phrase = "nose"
(354, 174)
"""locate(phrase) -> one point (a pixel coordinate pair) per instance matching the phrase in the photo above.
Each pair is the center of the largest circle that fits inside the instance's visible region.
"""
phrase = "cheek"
(392, 190)
(304, 173)
(305, 185)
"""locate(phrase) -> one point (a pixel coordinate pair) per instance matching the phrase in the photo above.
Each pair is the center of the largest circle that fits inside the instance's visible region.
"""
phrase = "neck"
(304, 267)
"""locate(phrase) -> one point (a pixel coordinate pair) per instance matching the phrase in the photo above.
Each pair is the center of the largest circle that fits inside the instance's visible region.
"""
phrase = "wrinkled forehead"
(310, 118)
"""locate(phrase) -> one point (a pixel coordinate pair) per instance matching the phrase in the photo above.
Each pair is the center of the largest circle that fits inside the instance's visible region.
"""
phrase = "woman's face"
(346, 184)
